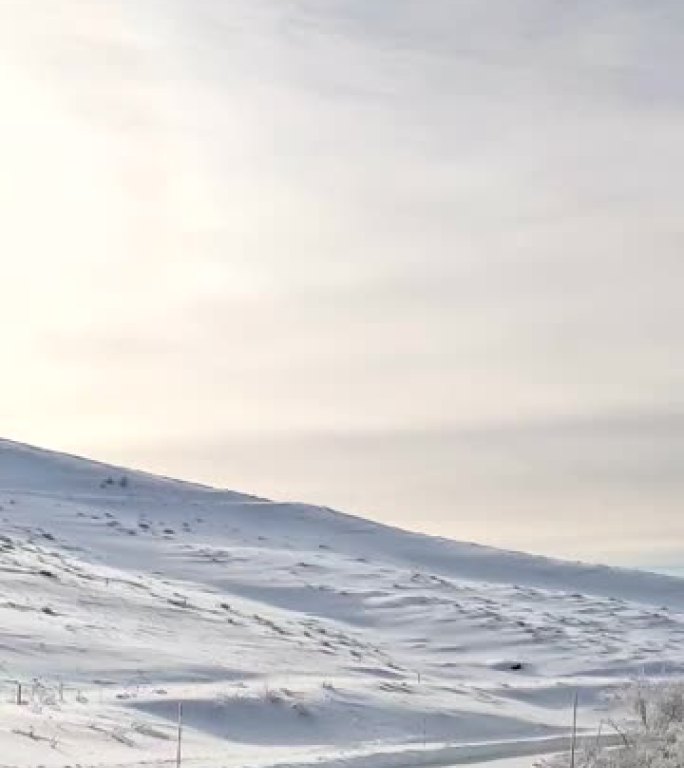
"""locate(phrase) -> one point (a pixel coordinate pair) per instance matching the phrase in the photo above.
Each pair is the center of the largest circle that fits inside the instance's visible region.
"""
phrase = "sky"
(419, 260)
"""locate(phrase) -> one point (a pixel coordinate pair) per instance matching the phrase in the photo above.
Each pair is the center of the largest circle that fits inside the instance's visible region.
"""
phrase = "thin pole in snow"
(180, 734)
(573, 746)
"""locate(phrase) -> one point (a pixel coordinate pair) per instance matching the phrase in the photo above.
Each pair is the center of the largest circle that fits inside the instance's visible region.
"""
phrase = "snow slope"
(291, 633)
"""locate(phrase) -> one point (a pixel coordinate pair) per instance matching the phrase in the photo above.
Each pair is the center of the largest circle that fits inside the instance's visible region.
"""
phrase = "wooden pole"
(573, 746)
(180, 735)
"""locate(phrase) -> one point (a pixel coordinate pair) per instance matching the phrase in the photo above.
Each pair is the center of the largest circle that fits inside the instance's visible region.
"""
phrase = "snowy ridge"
(291, 633)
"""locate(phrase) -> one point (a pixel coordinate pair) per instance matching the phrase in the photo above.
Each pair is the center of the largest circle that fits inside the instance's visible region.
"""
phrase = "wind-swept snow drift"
(291, 633)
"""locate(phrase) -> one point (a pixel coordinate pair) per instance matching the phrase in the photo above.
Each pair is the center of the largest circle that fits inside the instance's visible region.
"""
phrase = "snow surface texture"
(292, 634)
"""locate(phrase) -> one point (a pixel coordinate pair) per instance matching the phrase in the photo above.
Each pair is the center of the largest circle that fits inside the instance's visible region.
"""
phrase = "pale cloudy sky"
(421, 260)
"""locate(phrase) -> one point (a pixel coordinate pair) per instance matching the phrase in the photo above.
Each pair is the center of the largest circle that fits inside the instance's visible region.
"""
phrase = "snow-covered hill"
(290, 633)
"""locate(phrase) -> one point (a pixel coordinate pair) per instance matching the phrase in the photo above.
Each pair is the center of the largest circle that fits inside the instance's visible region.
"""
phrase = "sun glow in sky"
(416, 259)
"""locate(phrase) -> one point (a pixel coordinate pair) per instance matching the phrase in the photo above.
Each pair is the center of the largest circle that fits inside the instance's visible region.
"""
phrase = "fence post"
(180, 734)
(573, 746)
